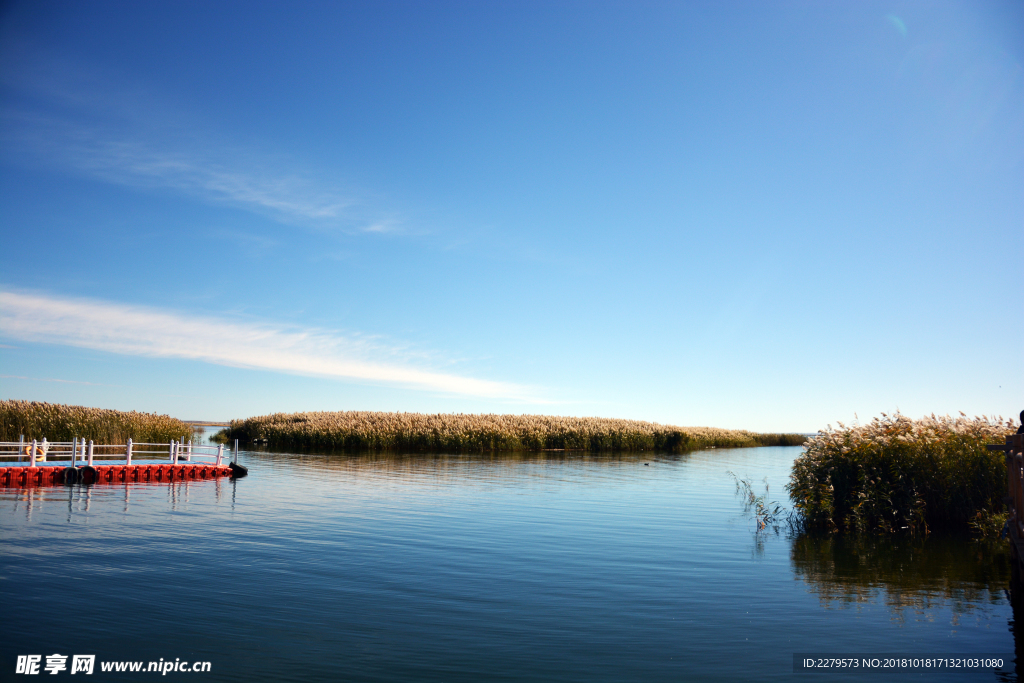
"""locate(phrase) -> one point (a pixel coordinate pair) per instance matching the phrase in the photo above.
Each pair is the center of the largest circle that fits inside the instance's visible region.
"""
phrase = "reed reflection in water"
(906, 573)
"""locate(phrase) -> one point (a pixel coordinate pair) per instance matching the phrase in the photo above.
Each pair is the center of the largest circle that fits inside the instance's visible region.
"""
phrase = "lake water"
(534, 567)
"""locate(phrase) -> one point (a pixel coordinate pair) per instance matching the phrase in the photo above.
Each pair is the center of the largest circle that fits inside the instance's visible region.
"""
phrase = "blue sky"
(769, 216)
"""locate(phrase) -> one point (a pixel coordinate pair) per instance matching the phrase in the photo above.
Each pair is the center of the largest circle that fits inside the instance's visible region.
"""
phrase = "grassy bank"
(897, 473)
(57, 422)
(478, 433)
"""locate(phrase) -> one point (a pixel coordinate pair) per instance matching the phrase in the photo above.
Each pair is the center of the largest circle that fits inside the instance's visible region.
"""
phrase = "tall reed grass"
(897, 473)
(358, 430)
(57, 422)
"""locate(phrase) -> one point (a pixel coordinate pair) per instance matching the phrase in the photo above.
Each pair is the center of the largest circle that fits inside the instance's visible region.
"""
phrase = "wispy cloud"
(141, 331)
(69, 117)
(381, 227)
(212, 175)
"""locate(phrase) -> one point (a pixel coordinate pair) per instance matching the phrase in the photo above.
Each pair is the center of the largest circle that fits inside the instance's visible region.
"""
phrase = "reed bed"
(896, 473)
(458, 433)
(58, 422)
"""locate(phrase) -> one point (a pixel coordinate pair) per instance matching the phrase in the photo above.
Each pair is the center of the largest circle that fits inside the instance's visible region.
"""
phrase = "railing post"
(1013, 471)
(74, 451)
(90, 452)
(220, 453)
(128, 453)
(21, 446)
(188, 451)
(236, 452)
(32, 455)
(174, 451)
(1011, 492)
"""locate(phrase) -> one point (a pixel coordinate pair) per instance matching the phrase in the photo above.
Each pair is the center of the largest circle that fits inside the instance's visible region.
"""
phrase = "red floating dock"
(100, 474)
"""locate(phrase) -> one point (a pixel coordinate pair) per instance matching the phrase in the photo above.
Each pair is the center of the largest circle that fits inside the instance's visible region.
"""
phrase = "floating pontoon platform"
(61, 474)
(39, 463)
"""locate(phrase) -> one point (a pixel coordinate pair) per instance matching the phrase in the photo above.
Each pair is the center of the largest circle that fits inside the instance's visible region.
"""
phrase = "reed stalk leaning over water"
(57, 422)
(897, 473)
(358, 430)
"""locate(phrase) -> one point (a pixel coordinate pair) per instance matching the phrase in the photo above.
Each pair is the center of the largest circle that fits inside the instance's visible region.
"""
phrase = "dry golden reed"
(57, 422)
(360, 430)
(897, 473)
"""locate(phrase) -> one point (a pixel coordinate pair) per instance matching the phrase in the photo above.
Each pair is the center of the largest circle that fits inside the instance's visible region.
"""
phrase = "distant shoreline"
(363, 430)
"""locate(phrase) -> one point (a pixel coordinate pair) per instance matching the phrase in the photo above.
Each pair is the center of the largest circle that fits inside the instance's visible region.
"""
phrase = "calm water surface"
(546, 567)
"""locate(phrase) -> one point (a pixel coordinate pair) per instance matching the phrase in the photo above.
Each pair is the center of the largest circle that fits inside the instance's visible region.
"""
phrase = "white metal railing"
(32, 453)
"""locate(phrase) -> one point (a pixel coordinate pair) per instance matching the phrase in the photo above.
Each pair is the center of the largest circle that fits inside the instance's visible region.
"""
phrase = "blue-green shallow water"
(539, 567)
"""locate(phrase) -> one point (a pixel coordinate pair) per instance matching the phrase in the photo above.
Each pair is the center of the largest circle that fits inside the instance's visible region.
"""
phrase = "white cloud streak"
(141, 331)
